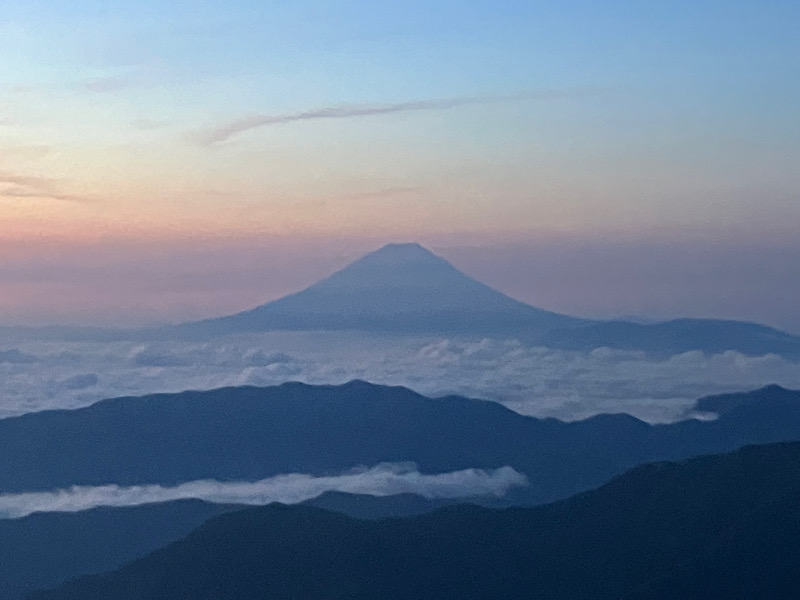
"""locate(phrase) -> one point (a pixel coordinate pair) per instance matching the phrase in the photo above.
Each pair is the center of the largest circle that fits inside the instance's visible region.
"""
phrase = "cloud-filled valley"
(531, 380)
(380, 480)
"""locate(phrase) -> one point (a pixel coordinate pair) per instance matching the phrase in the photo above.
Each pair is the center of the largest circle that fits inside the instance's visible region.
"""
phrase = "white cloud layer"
(381, 480)
(531, 380)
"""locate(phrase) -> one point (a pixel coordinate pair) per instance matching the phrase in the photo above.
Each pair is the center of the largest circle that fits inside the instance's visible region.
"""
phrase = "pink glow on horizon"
(133, 281)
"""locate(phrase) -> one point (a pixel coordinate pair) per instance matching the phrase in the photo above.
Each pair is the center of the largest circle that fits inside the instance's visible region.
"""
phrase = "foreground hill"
(250, 433)
(713, 527)
(43, 549)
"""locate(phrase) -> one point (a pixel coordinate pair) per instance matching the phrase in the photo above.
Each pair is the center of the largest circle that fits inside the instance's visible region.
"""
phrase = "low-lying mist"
(380, 480)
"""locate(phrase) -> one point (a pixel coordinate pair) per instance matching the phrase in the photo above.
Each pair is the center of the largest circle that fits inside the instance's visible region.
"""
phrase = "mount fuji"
(401, 288)
(406, 289)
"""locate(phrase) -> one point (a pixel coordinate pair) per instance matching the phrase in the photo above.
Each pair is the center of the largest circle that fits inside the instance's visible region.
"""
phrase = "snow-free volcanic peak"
(407, 289)
(399, 288)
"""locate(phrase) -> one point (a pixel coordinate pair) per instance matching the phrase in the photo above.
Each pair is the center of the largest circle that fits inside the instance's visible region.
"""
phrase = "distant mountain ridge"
(246, 434)
(709, 528)
(677, 336)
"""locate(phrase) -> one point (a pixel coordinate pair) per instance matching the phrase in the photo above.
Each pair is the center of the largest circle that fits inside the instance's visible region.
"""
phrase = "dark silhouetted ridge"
(713, 527)
(44, 549)
(775, 395)
(248, 433)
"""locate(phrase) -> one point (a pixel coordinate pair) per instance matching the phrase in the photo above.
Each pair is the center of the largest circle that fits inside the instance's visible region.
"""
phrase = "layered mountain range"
(722, 526)
(46, 548)
(246, 434)
(713, 527)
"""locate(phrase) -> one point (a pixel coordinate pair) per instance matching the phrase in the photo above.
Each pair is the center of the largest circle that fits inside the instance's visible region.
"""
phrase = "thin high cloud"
(380, 480)
(117, 82)
(15, 185)
(226, 131)
(30, 181)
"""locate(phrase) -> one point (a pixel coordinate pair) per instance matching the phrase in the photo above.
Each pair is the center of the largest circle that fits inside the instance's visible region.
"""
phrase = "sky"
(166, 161)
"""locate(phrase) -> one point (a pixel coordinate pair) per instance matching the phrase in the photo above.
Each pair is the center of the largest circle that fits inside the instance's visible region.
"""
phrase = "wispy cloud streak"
(226, 131)
(381, 480)
(107, 84)
(14, 185)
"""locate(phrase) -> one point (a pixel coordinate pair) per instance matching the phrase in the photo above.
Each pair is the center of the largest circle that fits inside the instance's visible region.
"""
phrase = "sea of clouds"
(531, 380)
(381, 480)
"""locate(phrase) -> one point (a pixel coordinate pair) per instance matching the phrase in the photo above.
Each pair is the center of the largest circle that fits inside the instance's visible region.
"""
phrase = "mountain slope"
(43, 549)
(363, 506)
(643, 535)
(251, 433)
(398, 288)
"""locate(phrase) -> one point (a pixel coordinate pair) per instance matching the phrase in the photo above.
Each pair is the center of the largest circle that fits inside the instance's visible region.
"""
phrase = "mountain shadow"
(712, 527)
